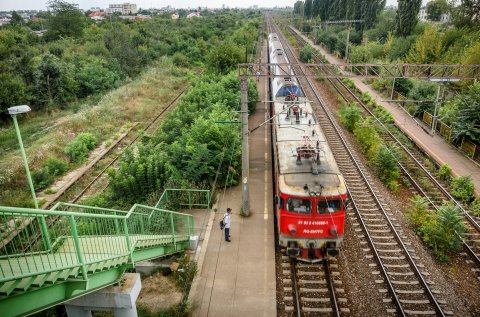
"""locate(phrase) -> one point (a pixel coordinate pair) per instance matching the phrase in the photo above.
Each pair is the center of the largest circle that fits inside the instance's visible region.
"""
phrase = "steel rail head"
(331, 286)
(295, 289)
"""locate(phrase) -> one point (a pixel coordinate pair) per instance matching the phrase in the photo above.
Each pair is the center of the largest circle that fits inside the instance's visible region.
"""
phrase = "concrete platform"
(435, 146)
(238, 278)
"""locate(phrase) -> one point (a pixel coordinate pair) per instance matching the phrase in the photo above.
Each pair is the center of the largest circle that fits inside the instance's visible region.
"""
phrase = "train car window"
(282, 203)
(301, 206)
(329, 206)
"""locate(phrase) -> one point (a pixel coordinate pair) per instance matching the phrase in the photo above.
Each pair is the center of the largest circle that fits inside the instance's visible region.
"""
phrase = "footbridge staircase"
(51, 256)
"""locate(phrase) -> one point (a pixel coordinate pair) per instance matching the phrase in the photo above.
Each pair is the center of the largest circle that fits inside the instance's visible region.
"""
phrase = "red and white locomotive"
(310, 190)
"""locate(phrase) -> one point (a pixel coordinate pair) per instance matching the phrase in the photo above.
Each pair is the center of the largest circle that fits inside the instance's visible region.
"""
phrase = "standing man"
(227, 220)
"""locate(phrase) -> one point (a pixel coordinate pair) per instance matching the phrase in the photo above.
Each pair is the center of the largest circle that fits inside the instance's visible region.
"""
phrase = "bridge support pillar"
(120, 299)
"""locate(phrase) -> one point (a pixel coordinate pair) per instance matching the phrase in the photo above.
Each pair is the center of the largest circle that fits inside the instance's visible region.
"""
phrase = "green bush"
(45, 176)
(443, 230)
(475, 207)
(306, 54)
(367, 136)
(350, 115)
(80, 147)
(360, 55)
(383, 114)
(417, 211)
(386, 162)
(445, 173)
(463, 188)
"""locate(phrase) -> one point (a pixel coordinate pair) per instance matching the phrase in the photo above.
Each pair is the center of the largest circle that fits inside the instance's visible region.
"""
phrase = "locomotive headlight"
(333, 230)
(292, 229)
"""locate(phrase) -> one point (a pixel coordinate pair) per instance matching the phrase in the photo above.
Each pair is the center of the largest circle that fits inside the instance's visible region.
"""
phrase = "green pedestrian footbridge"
(50, 256)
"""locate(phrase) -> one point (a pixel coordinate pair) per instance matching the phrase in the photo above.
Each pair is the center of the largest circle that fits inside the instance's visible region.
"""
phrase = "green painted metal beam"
(48, 296)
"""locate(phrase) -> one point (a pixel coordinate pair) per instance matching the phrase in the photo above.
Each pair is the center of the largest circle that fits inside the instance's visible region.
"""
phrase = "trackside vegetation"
(191, 148)
(102, 80)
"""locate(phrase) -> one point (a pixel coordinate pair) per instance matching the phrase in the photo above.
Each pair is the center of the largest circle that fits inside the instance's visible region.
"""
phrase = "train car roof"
(324, 178)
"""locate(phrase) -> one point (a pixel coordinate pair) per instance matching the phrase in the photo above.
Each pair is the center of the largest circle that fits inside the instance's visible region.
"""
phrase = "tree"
(12, 91)
(316, 8)
(467, 122)
(225, 58)
(324, 9)
(370, 10)
(53, 81)
(407, 13)
(308, 9)
(67, 20)
(94, 75)
(436, 8)
(427, 49)
(298, 7)
(120, 44)
(466, 14)
(16, 19)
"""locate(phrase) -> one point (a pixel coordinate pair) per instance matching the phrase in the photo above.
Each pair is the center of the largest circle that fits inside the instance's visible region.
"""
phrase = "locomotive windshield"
(301, 206)
(329, 206)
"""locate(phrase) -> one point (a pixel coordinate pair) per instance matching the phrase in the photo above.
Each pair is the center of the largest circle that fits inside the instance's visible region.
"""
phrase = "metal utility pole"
(245, 150)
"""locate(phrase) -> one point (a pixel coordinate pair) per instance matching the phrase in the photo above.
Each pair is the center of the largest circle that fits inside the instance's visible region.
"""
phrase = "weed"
(80, 147)
(463, 188)
(475, 207)
(445, 173)
(349, 116)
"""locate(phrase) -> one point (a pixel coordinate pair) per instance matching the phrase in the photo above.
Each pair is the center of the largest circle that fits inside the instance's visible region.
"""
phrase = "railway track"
(312, 289)
(422, 181)
(394, 265)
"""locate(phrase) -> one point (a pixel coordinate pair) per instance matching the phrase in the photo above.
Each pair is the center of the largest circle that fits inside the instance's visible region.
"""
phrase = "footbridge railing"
(70, 250)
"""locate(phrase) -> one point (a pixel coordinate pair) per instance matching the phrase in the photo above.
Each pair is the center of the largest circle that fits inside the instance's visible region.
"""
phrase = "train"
(310, 191)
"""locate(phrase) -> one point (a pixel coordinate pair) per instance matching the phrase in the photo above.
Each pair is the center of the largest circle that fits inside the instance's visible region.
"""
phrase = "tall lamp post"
(14, 111)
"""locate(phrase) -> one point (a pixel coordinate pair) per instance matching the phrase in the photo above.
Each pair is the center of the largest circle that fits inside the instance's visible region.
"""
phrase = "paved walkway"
(238, 278)
(435, 146)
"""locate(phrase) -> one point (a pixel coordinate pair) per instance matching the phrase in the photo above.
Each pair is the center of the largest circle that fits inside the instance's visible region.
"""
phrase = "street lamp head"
(18, 110)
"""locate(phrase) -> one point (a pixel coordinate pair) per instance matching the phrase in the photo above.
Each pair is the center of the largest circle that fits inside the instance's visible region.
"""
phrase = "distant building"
(195, 14)
(124, 8)
(175, 16)
(446, 18)
(97, 16)
(4, 20)
(95, 9)
(422, 14)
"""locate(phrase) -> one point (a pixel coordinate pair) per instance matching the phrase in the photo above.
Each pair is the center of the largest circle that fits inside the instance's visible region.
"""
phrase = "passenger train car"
(310, 191)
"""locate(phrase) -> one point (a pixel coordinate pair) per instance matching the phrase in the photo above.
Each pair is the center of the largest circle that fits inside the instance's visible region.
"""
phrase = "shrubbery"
(463, 188)
(306, 54)
(387, 167)
(445, 173)
(350, 115)
(441, 231)
(368, 137)
(80, 147)
(45, 176)
(189, 145)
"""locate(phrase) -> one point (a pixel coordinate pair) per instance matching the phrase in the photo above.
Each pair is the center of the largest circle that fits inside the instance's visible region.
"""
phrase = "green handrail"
(184, 198)
(81, 236)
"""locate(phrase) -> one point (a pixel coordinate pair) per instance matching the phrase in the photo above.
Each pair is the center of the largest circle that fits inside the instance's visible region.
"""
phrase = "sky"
(7, 5)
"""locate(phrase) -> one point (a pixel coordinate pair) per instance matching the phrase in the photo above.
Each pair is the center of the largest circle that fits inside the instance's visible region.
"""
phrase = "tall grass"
(47, 135)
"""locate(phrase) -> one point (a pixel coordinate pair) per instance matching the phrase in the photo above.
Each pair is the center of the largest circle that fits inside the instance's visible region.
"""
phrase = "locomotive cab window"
(329, 206)
(301, 206)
